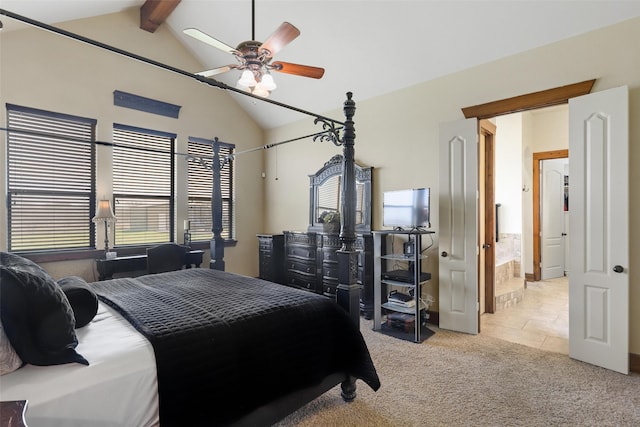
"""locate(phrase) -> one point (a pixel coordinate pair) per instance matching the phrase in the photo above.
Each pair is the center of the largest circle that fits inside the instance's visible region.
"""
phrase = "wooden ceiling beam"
(154, 12)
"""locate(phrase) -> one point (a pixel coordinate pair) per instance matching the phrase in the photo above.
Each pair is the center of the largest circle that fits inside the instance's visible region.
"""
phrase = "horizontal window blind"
(200, 181)
(51, 182)
(143, 171)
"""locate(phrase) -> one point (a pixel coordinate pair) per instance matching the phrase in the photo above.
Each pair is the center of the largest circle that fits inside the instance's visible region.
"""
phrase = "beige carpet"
(457, 379)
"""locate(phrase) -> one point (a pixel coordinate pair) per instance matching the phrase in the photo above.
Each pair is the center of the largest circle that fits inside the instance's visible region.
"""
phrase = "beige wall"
(51, 72)
(398, 133)
(547, 130)
(508, 172)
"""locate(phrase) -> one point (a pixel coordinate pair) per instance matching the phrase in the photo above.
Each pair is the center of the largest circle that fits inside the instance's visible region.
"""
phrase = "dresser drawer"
(329, 290)
(265, 245)
(329, 255)
(302, 280)
(301, 266)
(298, 238)
(330, 271)
(301, 252)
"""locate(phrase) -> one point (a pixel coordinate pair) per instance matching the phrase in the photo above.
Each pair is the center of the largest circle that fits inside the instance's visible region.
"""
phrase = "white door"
(599, 226)
(458, 240)
(552, 210)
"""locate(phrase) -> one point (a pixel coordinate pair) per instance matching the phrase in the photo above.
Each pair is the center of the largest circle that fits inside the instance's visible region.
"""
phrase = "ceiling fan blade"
(280, 38)
(297, 69)
(216, 71)
(205, 38)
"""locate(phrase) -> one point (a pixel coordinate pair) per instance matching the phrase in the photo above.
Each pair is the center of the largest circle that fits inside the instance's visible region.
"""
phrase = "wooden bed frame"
(348, 291)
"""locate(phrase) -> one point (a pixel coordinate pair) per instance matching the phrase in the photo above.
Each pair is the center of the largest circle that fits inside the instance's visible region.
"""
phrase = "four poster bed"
(190, 347)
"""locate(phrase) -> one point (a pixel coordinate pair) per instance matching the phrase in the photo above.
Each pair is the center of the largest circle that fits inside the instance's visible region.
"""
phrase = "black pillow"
(82, 298)
(36, 315)
(23, 264)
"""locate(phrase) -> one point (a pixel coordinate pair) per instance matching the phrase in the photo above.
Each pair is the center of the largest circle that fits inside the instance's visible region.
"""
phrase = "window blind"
(51, 180)
(200, 181)
(143, 185)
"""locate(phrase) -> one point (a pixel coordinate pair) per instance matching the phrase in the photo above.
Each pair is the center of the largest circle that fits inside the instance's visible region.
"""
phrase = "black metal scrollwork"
(199, 160)
(331, 132)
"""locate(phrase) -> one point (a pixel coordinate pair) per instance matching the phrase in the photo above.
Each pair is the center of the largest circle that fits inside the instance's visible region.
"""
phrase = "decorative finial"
(349, 107)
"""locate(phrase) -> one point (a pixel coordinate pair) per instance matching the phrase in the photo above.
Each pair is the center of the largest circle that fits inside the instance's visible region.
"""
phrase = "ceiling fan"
(254, 58)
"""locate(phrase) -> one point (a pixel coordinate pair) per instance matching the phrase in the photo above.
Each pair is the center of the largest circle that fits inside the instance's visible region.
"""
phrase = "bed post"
(348, 290)
(217, 242)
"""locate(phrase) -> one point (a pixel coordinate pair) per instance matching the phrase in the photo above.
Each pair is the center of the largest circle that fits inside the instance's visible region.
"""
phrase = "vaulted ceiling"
(366, 47)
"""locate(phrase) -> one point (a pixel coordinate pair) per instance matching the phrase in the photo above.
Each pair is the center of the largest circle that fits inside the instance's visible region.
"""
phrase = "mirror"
(325, 193)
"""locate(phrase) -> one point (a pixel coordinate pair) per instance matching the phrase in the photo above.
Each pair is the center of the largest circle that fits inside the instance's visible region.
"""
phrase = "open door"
(458, 241)
(599, 226)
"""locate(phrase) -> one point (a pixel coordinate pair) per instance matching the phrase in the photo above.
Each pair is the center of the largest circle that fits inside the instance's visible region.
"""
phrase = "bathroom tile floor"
(540, 320)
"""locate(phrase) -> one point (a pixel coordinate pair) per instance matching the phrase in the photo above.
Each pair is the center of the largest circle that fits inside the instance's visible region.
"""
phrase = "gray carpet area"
(455, 379)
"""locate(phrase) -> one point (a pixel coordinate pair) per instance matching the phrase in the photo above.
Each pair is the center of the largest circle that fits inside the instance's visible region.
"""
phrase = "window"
(51, 180)
(200, 185)
(143, 185)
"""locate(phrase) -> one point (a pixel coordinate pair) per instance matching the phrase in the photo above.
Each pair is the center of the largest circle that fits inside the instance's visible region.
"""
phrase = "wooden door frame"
(537, 244)
(532, 101)
(488, 129)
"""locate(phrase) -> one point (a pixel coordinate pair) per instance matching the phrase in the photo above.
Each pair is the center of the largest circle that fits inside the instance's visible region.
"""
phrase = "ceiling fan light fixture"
(267, 82)
(260, 91)
(255, 58)
(247, 79)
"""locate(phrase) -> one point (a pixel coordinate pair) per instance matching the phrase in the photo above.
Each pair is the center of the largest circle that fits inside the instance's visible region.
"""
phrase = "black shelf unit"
(410, 282)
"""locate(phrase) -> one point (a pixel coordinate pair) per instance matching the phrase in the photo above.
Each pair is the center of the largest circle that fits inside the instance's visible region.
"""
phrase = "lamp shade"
(267, 82)
(247, 79)
(105, 213)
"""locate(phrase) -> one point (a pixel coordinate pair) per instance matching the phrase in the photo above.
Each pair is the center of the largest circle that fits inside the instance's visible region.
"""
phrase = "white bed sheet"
(118, 388)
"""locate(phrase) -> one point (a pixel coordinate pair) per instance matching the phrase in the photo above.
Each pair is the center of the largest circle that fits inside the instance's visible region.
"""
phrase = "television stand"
(404, 317)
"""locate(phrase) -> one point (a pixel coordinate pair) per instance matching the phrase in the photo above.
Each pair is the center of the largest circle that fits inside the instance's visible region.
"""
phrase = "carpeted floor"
(455, 379)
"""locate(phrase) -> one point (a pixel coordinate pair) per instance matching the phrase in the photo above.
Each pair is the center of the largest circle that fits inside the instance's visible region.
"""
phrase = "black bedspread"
(226, 344)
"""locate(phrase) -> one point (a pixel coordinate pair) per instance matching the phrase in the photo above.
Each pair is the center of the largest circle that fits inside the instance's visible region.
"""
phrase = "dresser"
(271, 257)
(308, 260)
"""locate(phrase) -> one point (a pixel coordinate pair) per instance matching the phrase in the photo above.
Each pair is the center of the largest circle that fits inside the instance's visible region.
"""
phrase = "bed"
(190, 347)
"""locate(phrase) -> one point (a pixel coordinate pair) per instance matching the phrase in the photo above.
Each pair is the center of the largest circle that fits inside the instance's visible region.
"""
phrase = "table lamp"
(105, 214)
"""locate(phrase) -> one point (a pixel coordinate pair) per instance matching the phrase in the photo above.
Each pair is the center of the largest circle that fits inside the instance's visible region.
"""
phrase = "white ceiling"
(367, 47)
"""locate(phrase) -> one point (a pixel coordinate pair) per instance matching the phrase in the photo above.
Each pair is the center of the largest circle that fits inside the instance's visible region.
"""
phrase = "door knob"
(618, 269)
(486, 246)
(444, 254)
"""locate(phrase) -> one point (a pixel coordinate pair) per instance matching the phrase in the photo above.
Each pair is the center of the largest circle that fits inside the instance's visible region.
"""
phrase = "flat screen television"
(406, 208)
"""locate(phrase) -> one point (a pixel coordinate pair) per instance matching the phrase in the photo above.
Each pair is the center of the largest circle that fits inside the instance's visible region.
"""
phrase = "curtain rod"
(275, 144)
(226, 159)
(206, 80)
